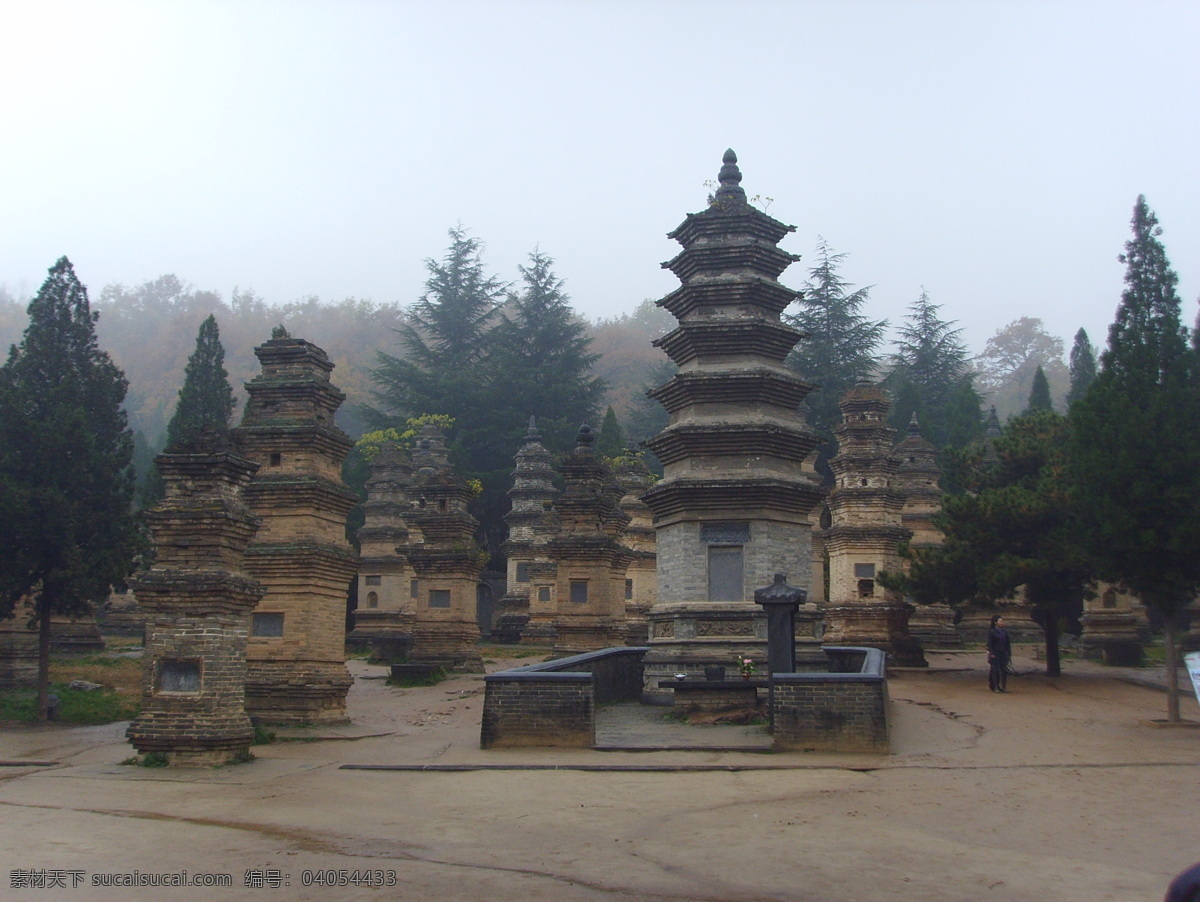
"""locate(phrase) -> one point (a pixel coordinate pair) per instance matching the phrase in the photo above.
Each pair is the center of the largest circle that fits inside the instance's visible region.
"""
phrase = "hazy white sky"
(990, 151)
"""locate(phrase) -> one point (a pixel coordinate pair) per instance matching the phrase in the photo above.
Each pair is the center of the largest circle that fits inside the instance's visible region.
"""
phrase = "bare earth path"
(1055, 791)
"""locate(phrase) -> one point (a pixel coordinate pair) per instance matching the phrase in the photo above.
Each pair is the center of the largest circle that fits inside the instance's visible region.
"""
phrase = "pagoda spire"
(730, 177)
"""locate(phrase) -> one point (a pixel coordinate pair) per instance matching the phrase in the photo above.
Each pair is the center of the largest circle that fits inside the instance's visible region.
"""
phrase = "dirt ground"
(1058, 790)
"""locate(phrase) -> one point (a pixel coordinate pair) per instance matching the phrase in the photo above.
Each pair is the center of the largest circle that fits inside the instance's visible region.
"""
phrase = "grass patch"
(120, 699)
(263, 736)
(155, 759)
(418, 680)
(675, 717)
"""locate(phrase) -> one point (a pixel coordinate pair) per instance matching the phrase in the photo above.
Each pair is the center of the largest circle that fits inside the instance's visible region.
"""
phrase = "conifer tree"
(1039, 394)
(611, 441)
(1082, 367)
(930, 377)
(1136, 456)
(841, 345)
(65, 466)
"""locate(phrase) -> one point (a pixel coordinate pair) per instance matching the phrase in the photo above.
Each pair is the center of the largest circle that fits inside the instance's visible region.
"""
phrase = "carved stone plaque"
(725, 533)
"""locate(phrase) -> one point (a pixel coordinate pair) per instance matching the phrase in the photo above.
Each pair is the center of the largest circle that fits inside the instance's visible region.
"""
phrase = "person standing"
(999, 652)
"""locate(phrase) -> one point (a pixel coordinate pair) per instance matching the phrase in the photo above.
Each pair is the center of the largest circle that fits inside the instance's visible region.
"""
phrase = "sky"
(988, 152)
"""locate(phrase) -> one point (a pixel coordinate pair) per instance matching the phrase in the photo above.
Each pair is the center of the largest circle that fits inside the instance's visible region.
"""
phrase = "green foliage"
(155, 759)
(1082, 367)
(66, 521)
(1018, 528)
(75, 706)
(1136, 454)
(416, 681)
(930, 376)
(263, 736)
(610, 443)
(1009, 363)
(1039, 394)
(841, 348)
(206, 399)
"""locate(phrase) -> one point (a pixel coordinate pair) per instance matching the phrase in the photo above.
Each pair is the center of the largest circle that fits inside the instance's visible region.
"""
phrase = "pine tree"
(540, 361)
(65, 465)
(445, 339)
(1082, 366)
(930, 377)
(1136, 455)
(1039, 394)
(841, 345)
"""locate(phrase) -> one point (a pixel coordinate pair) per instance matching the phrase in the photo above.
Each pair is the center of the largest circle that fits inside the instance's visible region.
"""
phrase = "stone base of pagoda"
(18, 655)
(191, 737)
(576, 635)
(875, 624)
(1111, 637)
(932, 625)
(637, 624)
(512, 620)
(297, 691)
(387, 635)
(687, 637)
(448, 644)
(81, 635)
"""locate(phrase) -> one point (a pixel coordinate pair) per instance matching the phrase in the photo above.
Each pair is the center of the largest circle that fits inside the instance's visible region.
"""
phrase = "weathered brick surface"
(554, 704)
(834, 712)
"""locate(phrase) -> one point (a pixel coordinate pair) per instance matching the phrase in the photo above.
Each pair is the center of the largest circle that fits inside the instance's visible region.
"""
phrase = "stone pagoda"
(641, 579)
(590, 559)
(296, 670)
(866, 507)
(733, 507)
(444, 560)
(918, 478)
(198, 597)
(383, 620)
(531, 524)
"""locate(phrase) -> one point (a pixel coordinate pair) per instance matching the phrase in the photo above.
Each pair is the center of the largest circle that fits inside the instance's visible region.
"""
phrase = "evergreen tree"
(1017, 527)
(205, 401)
(1135, 450)
(1082, 366)
(611, 440)
(541, 362)
(445, 339)
(68, 533)
(840, 348)
(930, 376)
(1039, 395)
(206, 398)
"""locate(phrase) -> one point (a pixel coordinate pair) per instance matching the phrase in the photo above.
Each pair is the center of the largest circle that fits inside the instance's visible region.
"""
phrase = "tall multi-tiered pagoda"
(918, 478)
(444, 560)
(296, 658)
(383, 618)
(641, 578)
(590, 558)
(198, 598)
(863, 540)
(531, 523)
(733, 507)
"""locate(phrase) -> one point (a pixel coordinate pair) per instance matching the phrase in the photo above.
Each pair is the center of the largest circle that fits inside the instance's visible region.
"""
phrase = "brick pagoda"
(531, 524)
(444, 560)
(590, 559)
(918, 478)
(641, 579)
(296, 670)
(733, 507)
(866, 506)
(383, 620)
(197, 598)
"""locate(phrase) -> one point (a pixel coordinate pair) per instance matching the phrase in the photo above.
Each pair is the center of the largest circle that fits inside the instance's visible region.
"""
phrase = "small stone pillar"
(198, 601)
(780, 601)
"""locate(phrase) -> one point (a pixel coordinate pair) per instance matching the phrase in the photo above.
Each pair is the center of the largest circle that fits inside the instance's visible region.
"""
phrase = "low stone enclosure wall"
(841, 709)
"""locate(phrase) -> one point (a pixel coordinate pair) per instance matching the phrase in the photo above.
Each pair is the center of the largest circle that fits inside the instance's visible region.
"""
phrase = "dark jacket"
(998, 644)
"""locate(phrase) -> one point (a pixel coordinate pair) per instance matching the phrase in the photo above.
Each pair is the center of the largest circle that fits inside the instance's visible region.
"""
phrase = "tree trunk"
(1172, 671)
(43, 675)
(1053, 661)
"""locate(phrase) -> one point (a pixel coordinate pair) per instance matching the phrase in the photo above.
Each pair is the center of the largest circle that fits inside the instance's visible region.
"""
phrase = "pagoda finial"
(914, 428)
(730, 178)
(585, 439)
(531, 433)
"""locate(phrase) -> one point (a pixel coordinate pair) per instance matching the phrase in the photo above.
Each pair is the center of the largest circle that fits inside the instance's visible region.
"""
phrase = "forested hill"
(150, 330)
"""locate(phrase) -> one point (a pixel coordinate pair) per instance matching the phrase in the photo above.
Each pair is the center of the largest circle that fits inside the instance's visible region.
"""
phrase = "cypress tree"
(66, 454)
(206, 399)
(1082, 367)
(611, 441)
(1135, 451)
(1039, 394)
